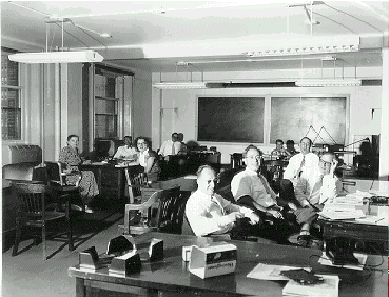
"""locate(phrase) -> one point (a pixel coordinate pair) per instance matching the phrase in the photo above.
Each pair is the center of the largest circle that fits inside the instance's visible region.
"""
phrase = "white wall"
(362, 100)
(142, 104)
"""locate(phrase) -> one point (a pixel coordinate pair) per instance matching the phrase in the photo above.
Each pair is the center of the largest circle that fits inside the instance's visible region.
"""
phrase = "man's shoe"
(87, 209)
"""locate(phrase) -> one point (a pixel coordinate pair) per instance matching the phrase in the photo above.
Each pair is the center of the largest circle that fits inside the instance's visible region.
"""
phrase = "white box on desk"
(219, 258)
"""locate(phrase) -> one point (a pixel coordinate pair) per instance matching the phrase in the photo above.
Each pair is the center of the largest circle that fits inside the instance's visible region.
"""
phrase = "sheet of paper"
(270, 272)
(190, 177)
(362, 259)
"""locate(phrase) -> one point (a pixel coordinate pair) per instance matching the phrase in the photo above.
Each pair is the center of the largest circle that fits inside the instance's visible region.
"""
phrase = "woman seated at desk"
(87, 185)
(148, 159)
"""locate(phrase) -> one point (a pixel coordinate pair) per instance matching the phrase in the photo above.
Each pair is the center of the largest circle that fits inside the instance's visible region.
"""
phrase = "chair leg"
(44, 239)
(17, 237)
(68, 219)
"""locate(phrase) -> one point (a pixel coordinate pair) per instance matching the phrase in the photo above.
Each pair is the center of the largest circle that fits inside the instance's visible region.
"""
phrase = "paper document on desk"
(362, 259)
(271, 272)
(328, 288)
(190, 177)
(342, 215)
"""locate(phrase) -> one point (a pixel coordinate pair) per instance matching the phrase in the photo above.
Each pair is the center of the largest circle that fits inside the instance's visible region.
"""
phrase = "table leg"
(68, 218)
(80, 287)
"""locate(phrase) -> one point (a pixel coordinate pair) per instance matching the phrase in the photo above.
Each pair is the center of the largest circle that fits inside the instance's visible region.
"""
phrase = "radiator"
(19, 161)
(21, 153)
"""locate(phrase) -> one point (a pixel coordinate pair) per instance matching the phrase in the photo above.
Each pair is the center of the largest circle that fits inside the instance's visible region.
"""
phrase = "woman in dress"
(87, 185)
(151, 162)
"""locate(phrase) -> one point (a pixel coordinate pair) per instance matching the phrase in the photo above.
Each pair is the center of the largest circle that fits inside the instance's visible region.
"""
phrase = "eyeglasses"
(254, 157)
(325, 163)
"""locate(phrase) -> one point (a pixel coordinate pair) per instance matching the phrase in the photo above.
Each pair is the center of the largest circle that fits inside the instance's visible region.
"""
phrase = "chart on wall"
(322, 118)
(231, 119)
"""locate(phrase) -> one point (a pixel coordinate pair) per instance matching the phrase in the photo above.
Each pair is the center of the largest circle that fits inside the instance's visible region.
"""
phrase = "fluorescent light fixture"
(180, 85)
(56, 57)
(304, 46)
(328, 82)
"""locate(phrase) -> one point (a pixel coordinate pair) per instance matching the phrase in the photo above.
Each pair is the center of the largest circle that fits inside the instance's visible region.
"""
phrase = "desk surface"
(171, 274)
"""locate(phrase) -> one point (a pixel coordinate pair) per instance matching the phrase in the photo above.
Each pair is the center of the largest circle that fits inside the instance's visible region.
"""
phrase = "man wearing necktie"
(304, 164)
(252, 189)
(126, 151)
(170, 147)
(312, 199)
(208, 213)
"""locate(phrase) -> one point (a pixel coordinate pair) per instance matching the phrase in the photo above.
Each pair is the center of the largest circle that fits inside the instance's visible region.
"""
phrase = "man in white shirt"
(304, 165)
(208, 213)
(126, 151)
(170, 147)
(312, 199)
(252, 189)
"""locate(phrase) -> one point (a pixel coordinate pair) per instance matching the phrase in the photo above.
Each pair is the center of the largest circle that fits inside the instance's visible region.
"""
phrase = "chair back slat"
(30, 197)
(170, 211)
(53, 172)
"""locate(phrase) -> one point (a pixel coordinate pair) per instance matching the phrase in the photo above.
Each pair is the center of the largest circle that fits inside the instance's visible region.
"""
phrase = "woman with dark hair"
(88, 187)
(150, 162)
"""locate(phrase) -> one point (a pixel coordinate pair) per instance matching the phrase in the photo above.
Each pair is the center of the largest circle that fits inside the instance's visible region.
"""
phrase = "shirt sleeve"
(162, 149)
(240, 187)
(118, 153)
(329, 189)
(290, 169)
(200, 223)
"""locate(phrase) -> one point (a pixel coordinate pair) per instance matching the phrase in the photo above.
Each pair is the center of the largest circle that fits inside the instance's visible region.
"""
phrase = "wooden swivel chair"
(32, 212)
(56, 179)
(134, 180)
(236, 162)
(134, 212)
(171, 211)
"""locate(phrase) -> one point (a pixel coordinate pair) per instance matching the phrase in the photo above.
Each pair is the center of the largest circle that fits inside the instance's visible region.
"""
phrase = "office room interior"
(236, 49)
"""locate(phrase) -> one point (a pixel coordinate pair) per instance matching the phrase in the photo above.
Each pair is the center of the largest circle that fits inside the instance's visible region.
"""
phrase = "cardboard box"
(219, 258)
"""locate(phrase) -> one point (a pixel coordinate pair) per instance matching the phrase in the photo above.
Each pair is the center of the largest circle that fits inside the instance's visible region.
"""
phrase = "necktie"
(315, 194)
(300, 170)
(173, 149)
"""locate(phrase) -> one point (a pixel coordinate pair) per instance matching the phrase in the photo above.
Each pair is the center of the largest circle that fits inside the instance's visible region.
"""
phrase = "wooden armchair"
(134, 211)
(57, 180)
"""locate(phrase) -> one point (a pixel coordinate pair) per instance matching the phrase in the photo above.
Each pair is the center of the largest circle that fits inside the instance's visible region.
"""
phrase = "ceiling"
(210, 35)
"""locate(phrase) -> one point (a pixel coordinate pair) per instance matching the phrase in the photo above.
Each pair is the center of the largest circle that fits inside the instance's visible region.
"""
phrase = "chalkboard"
(291, 118)
(231, 119)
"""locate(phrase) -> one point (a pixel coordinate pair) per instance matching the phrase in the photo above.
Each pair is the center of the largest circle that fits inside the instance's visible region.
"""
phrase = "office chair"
(57, 181)
(171, 211)
(32, 212)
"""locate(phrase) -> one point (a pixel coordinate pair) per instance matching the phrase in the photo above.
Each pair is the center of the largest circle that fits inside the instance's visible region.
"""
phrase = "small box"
(186, 252)
(216, 259)
(126, 264)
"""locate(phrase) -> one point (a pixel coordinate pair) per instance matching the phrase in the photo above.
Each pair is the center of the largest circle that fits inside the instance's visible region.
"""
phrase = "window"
(10, 97)
(106, 107)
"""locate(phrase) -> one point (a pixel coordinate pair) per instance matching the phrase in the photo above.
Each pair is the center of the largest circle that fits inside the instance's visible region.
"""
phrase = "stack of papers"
(327, 288)
(340, 215)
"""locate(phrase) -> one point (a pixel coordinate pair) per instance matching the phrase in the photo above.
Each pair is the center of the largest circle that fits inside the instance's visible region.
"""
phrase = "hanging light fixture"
(57, 57)
(182, 84)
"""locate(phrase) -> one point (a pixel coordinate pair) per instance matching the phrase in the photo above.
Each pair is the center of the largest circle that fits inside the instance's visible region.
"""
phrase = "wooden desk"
(170, 277)
(110, 178)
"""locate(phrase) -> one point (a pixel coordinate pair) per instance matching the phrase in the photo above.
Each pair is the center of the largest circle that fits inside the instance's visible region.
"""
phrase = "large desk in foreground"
(170, 277)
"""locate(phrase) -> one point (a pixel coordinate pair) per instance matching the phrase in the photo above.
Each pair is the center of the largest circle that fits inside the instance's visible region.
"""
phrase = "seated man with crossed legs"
(208, 213)
(312, 199)
(251, 189)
